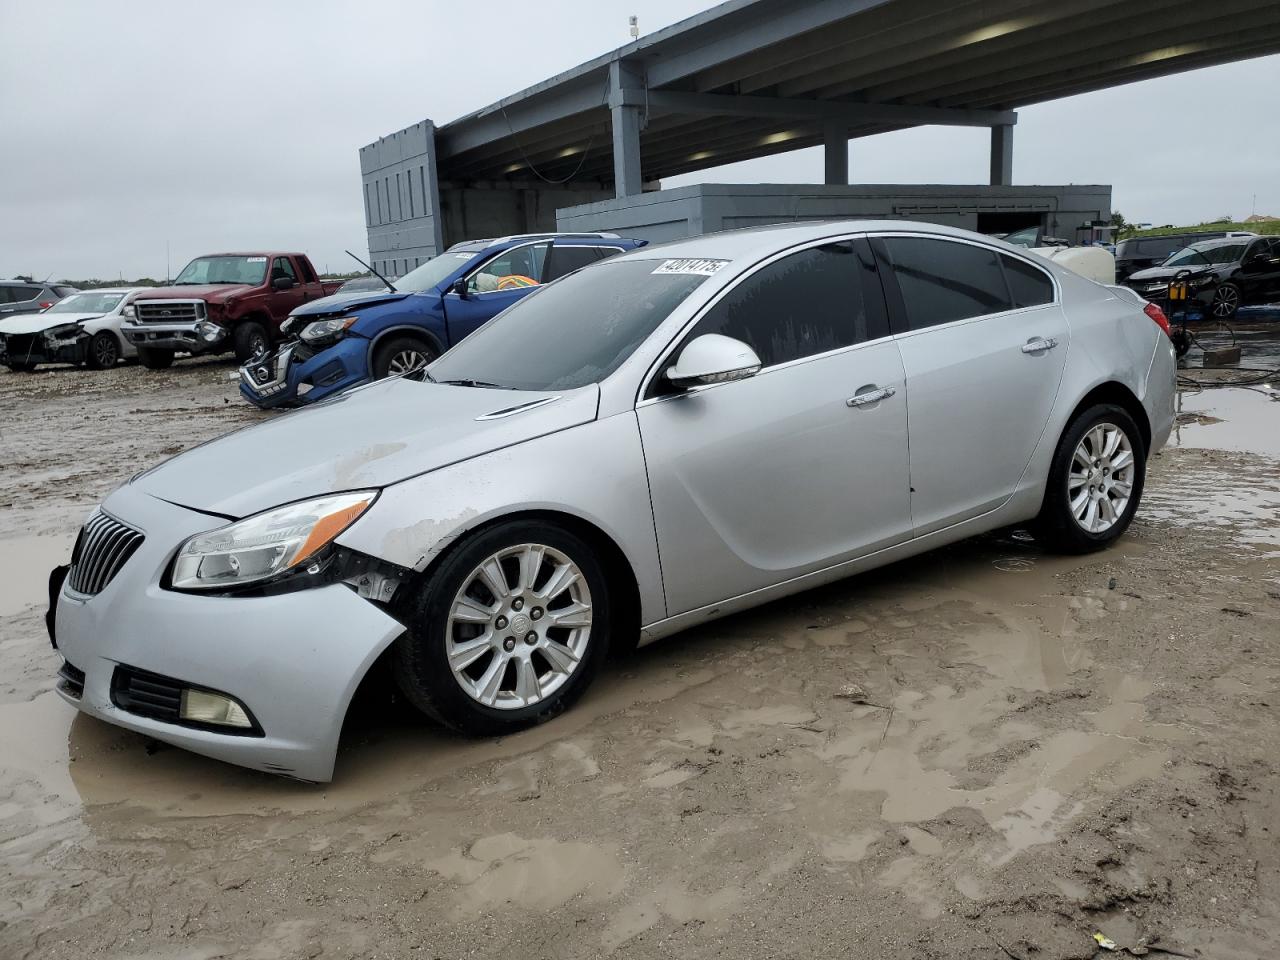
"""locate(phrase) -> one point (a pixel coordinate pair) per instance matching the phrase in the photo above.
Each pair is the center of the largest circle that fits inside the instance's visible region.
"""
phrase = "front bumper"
(200, 336)
(295, 375)
(37, 348)
(294, 660)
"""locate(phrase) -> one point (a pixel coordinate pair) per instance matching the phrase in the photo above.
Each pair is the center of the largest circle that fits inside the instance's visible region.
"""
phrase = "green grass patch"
(1268, 227)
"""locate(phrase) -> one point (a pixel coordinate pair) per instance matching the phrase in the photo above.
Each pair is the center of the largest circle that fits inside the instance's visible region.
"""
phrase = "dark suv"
(30, 296)
(1139, 253)
(1223, 275)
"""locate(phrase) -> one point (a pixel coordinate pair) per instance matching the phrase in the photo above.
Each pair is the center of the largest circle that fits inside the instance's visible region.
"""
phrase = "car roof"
(753, 243)
(30, 283)
(1217, 242)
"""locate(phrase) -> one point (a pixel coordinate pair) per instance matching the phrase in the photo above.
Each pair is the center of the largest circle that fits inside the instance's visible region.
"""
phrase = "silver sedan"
(649, 443)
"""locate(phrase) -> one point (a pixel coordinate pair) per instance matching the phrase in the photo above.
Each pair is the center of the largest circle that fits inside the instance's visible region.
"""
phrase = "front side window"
(944, 280)
(247, 270)
(516, 268)
(282, 269)
(804, 304)
(572, 333)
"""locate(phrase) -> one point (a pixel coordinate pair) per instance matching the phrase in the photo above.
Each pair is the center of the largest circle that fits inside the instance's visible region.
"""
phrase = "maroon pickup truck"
(225, 301)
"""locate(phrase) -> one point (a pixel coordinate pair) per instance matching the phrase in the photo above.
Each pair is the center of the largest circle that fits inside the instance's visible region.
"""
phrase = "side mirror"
(713, 358)
(460, 288)
(282, 283)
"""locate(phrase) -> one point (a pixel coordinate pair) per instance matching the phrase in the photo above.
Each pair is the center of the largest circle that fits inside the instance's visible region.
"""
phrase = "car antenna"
(390, 286)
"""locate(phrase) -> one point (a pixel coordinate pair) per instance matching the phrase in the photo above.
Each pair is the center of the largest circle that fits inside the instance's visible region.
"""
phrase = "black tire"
(104, 351)
(155, 358)
(393, 353)
(421, 655)
(1225, 303)
(251, 340)
(1056, 526)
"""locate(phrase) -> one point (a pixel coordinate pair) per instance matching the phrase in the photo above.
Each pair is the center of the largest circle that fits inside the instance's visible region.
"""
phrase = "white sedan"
(82, 328)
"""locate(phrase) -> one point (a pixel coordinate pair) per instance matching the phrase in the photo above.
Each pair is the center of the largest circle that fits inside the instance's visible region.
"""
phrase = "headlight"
(1203, 280)
(266, 545)
(62, 331)
(322, 331)
(128, 311)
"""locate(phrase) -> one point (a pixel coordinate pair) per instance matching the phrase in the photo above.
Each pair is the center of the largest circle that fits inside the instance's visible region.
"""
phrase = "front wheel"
(104, 351)
(402, 357)
(250, 340)
(507, 632)
(1226, 301)
(155, 358)
(1095, 482)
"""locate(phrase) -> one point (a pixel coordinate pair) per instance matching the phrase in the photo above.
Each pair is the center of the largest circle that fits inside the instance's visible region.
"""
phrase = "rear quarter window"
(1028, 285)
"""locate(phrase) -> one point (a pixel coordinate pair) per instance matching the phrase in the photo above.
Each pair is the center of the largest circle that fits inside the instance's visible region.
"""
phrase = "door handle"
(1039, 344)
(870, 397)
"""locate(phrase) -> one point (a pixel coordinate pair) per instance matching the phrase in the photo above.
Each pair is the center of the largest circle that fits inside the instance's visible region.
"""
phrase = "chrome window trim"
(656, 368)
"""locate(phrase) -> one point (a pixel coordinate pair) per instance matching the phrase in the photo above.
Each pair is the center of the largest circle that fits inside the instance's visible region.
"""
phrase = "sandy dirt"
(986, 752)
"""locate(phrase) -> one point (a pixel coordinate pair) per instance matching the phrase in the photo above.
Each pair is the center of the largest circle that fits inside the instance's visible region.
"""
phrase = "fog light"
(204, 707)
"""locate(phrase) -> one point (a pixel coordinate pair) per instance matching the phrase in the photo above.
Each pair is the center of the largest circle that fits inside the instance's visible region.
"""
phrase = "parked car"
(364, 284)
(1222, 275)
(31, 296)
(673, 435)
(1142, 253)
(221, 302)
(81, 328)
(347, 340)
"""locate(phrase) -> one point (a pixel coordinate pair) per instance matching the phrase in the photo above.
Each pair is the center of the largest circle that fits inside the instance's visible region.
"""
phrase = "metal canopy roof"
(750, 78)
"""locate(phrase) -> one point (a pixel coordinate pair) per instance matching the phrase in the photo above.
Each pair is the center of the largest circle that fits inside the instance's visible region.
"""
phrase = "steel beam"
(727, 105)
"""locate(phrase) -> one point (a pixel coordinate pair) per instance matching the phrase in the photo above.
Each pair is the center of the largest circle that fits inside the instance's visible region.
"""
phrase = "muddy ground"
(986, 752)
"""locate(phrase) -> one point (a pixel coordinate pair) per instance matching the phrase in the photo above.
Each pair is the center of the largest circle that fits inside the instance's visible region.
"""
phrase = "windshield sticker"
(465, 256)
(699, 268)
(257, 259)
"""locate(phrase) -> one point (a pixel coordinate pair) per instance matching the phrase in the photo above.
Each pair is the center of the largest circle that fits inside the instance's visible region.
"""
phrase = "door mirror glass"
(713, 358)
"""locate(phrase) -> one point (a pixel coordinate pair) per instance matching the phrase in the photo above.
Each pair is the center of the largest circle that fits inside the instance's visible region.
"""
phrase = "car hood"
(215, 292)
(35, 322)
(1152, 274)
(345, 301)
(370, 437)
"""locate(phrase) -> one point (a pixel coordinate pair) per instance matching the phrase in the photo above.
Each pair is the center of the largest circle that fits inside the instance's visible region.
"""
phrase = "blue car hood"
(370, 437)
(339, 302)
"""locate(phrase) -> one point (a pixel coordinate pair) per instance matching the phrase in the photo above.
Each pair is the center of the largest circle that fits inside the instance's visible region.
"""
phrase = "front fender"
(594, 472)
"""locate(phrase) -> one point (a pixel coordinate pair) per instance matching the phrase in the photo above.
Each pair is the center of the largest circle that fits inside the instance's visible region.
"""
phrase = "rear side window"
(565, 260)
(23, 294)
(942, 280)
(804, 304)
(1030, 286)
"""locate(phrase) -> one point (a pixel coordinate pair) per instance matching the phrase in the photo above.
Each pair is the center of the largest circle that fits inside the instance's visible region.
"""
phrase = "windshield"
(87, 303)
(1202, 253)
(247, 270)
(1026, 237)
(434, 272)
(572, 332)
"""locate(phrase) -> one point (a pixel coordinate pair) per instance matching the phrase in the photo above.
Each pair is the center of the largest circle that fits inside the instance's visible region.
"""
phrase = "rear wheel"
(104, 351)
(1095, 482)
(1226, 301)
(251, 341)
(402, 357)
(508, 631)
(155, 358)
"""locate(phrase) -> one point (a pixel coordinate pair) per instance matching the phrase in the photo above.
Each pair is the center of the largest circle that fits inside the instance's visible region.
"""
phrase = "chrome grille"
(168, 311)
(102, 549)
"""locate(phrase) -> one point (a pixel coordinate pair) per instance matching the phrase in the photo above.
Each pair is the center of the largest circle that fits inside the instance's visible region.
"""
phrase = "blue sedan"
(345, 340)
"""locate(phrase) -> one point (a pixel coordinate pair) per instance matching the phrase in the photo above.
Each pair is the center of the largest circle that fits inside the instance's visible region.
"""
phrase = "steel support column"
(627, 121)
(1002, 155)
(835, 138)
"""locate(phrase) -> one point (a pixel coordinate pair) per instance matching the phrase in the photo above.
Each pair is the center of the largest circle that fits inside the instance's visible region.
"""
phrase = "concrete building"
(588, 148)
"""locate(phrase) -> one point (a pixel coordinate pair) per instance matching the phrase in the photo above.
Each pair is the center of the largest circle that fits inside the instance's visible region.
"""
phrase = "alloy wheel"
(519, 626)
(105, 351)
(1101, 480)
(406, 363)
(1225, 301)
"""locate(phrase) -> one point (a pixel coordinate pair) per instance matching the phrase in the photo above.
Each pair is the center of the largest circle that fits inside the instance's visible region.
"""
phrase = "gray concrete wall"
(704, 208)
(501, 209)
(401, 199)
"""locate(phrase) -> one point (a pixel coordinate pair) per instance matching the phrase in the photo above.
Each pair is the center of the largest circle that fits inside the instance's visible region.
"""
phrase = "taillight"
(1156, 314)
(47, 304)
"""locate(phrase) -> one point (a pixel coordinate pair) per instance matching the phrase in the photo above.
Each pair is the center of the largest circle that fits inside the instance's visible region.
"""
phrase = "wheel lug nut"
(517, 604)
(536, 613)
(531, 638)
(509, 644)
(500, 623)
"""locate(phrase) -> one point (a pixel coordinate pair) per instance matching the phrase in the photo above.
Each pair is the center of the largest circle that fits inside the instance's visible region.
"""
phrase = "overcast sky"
(235, 124)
